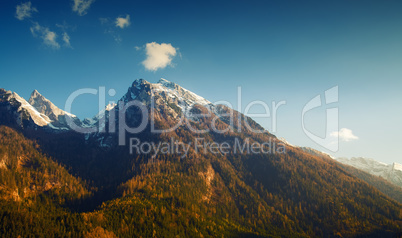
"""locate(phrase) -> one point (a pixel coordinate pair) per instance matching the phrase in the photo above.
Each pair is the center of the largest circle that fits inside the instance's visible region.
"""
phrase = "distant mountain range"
(390, 172)
(210, 171)
(385, 178)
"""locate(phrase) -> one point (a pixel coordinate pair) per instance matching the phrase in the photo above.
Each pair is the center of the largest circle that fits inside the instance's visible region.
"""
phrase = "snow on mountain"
(56, 115)
(23, 110)
(397, 166)
(392, 173)
(110, 106)
(185, 96)
(168, 93)
(43, 105)
(164, 95)
(39, 118)
(169, 100)
(38, 111)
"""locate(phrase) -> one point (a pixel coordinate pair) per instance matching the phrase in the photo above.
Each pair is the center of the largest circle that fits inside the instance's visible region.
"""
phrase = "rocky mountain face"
(216, 173)
(37, 112)
(168, 101)
(56, 116)
(18, 112)
(168, 106)
(390, 172)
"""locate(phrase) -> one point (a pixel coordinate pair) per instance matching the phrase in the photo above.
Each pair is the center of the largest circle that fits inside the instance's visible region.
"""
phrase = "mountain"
(165, 97)
(392, 173)
(169, 92)
(195, 170)
(56, 116)
(17, 111)
(34, 189)
(169, 106)
(38, 112)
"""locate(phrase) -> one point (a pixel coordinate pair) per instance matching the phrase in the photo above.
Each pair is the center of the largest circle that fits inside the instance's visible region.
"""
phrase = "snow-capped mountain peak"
(176, 90)
(45, 106)
(16, 110)
(39, 118)
(165, 92)
(56, 115)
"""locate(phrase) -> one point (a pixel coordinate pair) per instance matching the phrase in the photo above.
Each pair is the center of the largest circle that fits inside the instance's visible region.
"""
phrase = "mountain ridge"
(56, 115)
(39, 110)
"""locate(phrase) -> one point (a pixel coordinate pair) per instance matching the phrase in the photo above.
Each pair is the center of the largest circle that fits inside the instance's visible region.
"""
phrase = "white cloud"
(66, 39)
(158, 55)
(48, 37)
(24, 10)
(82, 6)
(344, 134)
(123, 22)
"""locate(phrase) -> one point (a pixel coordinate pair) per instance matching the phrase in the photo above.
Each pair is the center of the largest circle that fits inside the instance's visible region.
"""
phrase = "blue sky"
(274, 50)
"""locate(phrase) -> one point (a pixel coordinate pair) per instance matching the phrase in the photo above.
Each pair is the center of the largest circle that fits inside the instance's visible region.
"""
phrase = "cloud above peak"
(24, 10)
(159, 56)
(344, 134)
(81, 6)
(123, 22)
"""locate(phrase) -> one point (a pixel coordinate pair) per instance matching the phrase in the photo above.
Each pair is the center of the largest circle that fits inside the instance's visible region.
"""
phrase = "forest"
(279, 195)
